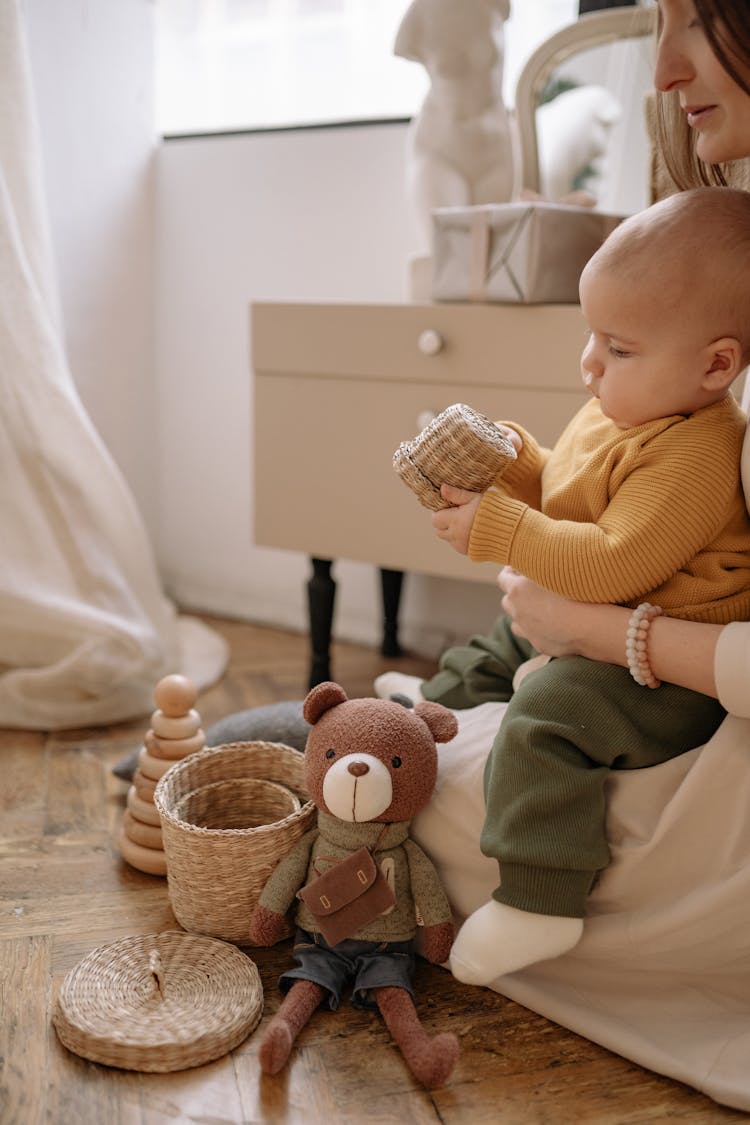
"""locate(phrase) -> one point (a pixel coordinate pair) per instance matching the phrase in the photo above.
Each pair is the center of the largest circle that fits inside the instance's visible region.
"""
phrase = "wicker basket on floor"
(228, 815)
(159, 1002)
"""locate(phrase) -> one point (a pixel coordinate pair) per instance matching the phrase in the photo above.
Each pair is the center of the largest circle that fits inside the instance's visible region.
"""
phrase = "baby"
(639, 503)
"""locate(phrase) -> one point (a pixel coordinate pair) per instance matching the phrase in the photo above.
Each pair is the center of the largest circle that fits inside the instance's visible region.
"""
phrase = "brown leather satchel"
(348, 896)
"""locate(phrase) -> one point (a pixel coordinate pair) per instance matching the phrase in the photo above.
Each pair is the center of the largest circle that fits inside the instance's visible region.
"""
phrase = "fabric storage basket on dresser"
(531, 253)
(228, 815)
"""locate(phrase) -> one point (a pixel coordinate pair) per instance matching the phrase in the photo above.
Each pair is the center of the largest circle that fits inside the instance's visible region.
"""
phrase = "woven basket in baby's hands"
(460, 447)
(228, 815)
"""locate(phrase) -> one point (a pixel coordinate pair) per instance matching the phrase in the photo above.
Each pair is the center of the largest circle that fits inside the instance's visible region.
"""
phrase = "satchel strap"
(334, 859)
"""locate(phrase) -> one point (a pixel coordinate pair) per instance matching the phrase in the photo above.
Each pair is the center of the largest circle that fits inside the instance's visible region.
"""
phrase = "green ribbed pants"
(566, 727)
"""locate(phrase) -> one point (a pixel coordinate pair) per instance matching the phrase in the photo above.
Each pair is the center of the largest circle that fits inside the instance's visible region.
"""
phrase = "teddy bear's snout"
(357, 787)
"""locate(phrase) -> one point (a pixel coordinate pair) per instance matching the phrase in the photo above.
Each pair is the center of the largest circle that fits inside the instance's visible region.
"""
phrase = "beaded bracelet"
(636, 644)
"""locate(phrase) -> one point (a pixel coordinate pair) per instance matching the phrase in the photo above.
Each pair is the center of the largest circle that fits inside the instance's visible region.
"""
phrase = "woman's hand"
(548, 620)
(682, 652)
(454, 524)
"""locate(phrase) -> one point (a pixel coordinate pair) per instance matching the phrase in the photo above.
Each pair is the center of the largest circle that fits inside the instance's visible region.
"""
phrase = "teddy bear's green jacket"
(420, 898)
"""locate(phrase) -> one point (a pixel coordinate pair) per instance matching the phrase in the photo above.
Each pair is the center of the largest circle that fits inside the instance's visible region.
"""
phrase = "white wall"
(316, 215)
(312, 215)
(93, 71)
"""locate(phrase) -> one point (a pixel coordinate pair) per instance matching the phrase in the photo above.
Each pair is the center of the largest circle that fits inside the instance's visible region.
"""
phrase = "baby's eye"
(618, 353)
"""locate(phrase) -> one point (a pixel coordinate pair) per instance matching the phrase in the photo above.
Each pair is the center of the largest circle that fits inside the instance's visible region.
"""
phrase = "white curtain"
(85, 630)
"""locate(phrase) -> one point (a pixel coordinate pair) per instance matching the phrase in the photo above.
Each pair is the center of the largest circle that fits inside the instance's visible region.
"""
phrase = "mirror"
(581, 110)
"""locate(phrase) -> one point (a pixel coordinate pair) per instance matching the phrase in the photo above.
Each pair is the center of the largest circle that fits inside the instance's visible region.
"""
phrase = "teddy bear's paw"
(276, 1047)
(398, 683)
(499, 939)
(434, 1063)
(436, 942)
(266, 926)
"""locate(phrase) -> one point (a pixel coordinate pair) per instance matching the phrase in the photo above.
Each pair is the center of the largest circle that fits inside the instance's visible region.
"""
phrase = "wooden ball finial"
(175, 695)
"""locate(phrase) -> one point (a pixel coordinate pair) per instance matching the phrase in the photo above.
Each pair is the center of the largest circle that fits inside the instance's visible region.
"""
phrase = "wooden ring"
(150, 860)
(144, 786)
(153, 768)
(145, 811)
(174, 748)
(147, 835)
(171, 726)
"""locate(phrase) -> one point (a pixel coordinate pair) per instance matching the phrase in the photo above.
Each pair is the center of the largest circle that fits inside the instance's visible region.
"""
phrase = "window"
(253, 64)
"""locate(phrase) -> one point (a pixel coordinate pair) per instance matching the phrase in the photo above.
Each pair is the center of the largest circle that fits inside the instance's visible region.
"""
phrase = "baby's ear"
(725, 360)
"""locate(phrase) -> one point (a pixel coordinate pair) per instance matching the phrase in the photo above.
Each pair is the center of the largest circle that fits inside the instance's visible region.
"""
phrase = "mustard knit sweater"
(654, 513)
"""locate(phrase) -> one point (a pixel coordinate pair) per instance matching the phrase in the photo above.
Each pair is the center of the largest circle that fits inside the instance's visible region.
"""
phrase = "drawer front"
(487, 345)
(324, 482)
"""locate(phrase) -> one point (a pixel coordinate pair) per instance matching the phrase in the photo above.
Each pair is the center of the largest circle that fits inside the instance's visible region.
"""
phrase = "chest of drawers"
(337, 387)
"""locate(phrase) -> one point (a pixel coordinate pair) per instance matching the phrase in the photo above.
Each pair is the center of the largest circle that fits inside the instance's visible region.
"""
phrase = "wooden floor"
(64, 890)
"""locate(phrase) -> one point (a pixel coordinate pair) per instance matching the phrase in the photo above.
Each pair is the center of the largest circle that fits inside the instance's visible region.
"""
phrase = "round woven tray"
(216, 869)
(159, 1002)
(460, 447)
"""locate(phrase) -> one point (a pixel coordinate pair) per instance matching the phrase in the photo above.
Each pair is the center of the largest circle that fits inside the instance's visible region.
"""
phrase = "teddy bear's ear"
(321, 699)
(441, 723)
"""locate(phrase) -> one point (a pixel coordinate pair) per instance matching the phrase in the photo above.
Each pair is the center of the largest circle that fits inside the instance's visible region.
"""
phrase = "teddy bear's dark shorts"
(365, 965)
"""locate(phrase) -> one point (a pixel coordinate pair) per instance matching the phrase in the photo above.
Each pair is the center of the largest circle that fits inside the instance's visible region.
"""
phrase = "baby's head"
(669, 292)
(690, 255)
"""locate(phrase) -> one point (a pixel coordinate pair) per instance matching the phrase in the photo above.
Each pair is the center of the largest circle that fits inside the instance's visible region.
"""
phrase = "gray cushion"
(276, 722)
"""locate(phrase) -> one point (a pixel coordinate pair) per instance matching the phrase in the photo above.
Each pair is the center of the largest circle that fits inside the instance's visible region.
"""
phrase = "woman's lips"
(696, 114)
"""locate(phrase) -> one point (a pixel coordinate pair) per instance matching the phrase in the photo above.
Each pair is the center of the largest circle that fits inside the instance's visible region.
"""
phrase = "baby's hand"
(454, 524)
(512, 435)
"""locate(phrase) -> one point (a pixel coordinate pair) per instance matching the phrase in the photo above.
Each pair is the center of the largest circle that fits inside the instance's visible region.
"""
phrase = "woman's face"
(715, 106)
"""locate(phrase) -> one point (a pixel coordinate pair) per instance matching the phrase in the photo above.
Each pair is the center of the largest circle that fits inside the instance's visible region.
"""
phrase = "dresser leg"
(321, 594)
(391, 582)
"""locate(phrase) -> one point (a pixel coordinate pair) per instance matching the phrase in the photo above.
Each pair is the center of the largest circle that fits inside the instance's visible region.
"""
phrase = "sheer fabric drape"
(85, 630)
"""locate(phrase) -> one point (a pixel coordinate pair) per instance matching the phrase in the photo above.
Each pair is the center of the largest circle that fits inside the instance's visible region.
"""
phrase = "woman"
(703, 72)
(662, 973)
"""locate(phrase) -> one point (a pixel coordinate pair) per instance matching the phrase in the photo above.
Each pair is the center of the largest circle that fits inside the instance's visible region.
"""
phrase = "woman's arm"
(681, 652)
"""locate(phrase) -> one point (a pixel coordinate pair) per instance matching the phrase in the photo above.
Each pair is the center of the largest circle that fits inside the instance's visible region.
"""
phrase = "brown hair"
(726, 24)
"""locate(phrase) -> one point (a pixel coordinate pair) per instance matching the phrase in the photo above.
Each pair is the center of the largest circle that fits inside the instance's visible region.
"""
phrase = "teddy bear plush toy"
(361, 885)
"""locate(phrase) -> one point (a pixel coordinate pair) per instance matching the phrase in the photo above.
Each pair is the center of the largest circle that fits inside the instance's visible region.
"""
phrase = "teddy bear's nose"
(358, 769)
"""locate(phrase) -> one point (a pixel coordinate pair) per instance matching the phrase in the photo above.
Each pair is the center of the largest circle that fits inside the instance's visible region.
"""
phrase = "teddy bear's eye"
(395, 762)
(330, 753)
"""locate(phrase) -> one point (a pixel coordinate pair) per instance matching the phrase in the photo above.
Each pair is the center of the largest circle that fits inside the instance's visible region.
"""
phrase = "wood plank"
(64, 890)
(24, 1027)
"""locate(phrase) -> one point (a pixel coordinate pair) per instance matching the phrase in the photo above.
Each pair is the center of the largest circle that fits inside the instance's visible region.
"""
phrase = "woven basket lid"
(159, 1002)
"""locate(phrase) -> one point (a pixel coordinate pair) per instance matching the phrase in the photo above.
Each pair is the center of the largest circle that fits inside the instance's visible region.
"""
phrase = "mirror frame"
(590, 30)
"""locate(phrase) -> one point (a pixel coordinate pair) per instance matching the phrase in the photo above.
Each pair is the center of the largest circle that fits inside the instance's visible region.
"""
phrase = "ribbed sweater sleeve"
(653, 497)
(523, 477)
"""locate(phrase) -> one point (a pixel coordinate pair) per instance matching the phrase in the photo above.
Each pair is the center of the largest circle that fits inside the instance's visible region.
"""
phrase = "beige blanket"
(662, 974)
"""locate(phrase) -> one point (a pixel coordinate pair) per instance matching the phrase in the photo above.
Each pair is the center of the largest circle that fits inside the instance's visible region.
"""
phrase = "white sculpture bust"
(460, 146)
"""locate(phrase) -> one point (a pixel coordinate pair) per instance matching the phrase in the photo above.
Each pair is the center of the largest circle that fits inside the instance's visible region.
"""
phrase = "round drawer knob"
(430, 342)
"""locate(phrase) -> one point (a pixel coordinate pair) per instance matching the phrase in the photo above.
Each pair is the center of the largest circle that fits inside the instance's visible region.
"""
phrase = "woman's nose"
(672, 67)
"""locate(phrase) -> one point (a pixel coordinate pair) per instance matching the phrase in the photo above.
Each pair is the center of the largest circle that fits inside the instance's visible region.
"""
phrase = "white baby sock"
(498, 939)
(397, 683)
